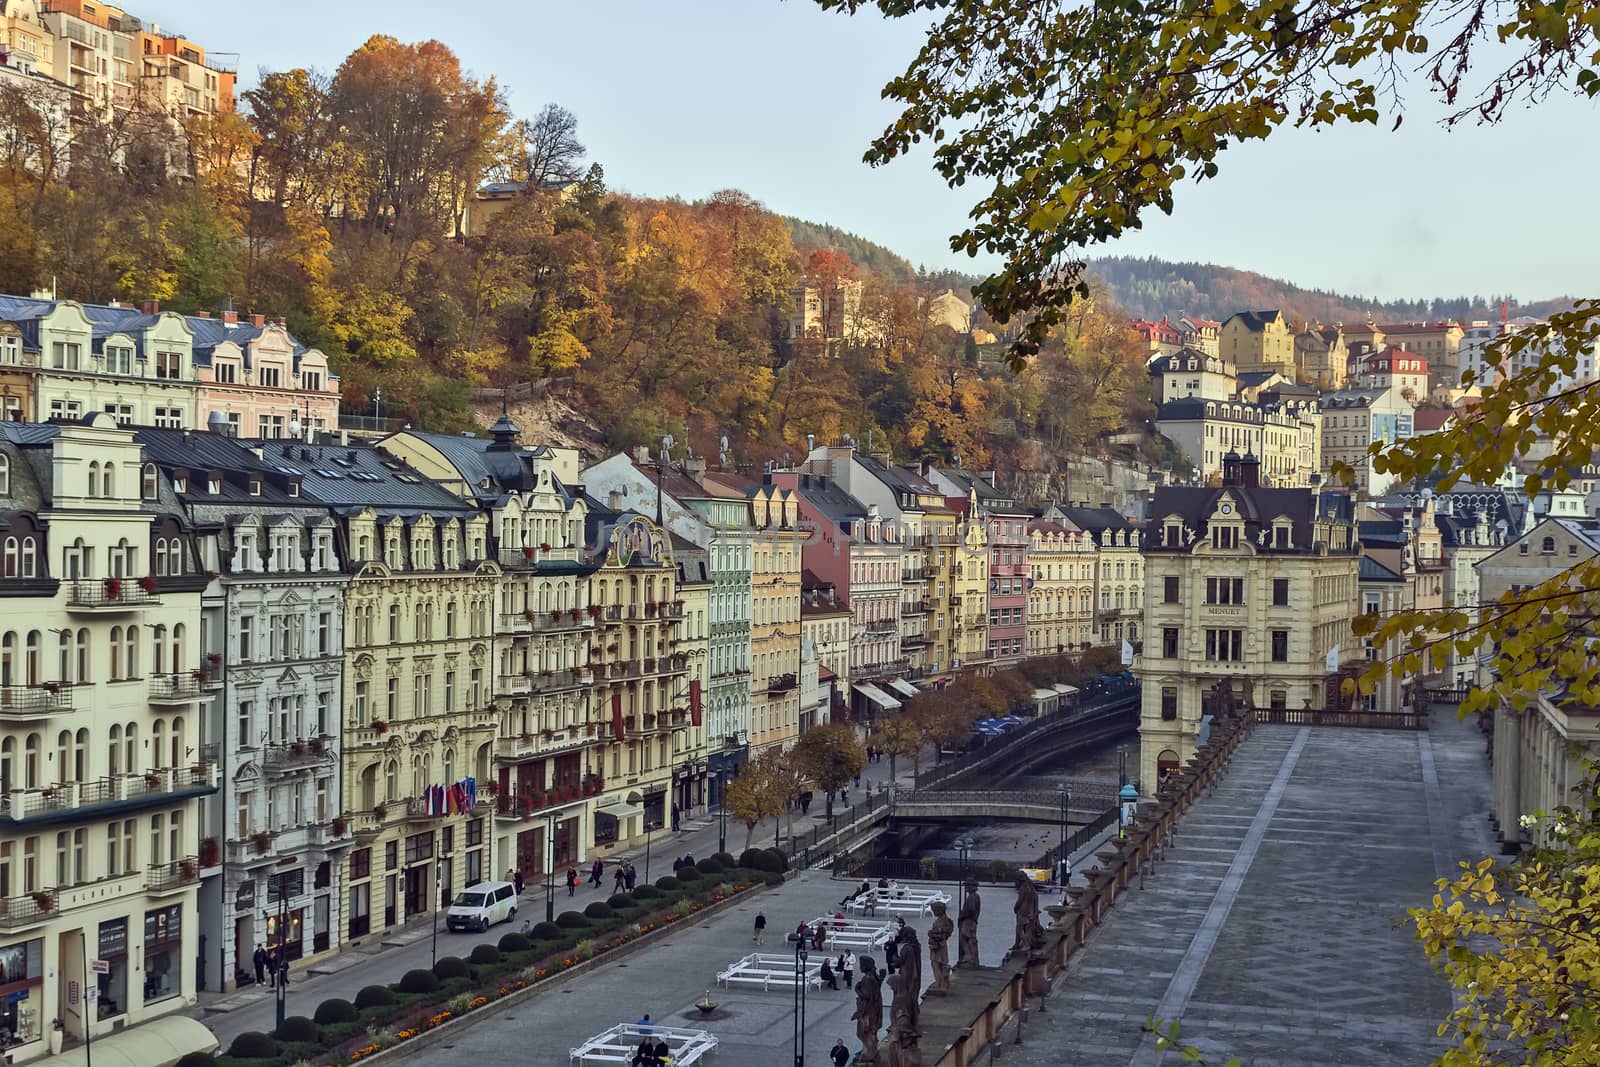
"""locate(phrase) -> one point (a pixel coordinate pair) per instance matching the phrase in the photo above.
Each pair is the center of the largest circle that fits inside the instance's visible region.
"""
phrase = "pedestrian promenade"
(1276, 928)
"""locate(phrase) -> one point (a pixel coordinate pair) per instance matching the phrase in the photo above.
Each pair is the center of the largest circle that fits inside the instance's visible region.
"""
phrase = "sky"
(780, 99)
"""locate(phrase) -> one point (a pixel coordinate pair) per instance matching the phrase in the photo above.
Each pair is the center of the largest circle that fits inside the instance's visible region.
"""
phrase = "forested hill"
(867, 255)
(1150, 288)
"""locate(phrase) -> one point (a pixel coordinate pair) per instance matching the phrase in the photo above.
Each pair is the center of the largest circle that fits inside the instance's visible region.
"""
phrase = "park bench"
(857, 935)
(618, 1044)
(910, 902)
(764, 972)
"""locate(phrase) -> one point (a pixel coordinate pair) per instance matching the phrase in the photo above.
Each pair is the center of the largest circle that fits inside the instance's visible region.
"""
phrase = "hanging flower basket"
(340, 826)
(215, 659)
(594, 611)
(45, 900)
(152, 781)
(527, 613)
(380, 726)
(544, 546)
(187, 869)
(299, 748)
(148, 583)
(114, 588)
(318, 746)
(527, 553)
(555, 616)
(527, 739)
(577, 613)
(263, 841)
(650, 608)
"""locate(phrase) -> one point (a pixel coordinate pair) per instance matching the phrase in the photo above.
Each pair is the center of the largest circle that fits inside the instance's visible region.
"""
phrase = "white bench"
(912, 902)
(764, 972)
(854, 934)
(618, 1044)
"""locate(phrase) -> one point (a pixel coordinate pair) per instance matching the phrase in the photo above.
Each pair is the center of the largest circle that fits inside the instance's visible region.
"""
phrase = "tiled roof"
(1256, 321)
(1427, 420)
(1258, 508)
(360, 476)
(1373, 571)
(1096, 520)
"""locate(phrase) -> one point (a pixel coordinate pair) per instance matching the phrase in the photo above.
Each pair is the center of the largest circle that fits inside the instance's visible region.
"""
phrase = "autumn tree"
(831, 757)
(757, 793)
(543, 152)
(899, 736)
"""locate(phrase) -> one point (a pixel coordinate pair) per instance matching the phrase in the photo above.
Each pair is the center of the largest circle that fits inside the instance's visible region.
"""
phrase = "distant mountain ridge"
(1149, 288)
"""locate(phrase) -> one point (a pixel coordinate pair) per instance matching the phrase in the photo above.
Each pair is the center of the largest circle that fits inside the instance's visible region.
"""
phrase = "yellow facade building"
(775, 617)
(1258, 341)
(1061, 562)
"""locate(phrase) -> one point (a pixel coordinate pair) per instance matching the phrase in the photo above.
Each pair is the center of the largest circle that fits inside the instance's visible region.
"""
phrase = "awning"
(620, 809)
(878, 696)
(900, 685)
(1044, 694)
(1064, 690)
(160, 1043)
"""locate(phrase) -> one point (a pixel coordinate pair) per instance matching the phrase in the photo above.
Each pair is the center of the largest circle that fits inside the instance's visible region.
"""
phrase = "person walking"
(760, 937)
(620, 876)
(272, 967)
(572, 881)
(260, 960)
(630, 876)
(839, 1054)
(847, 968)
(596, 871)
(516, 878)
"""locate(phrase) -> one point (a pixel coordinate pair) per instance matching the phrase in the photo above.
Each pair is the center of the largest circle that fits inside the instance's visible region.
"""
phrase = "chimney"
(882, 457)
(1250, 471)
(614, 500)
(1230, 469)
(258, 320)
(641, 454)
(811, 443)
(231, 318)
(695, 468)
(150, 307)
(202, 314)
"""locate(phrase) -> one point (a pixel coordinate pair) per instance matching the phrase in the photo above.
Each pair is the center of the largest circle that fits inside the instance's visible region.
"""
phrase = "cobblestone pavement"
(1276, 928)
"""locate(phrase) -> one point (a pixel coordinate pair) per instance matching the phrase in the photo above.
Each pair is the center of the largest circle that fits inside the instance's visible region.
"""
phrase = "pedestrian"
(283, 969)
(805, 803)
(847, 968)
(572, 881)
(760, 937)
(631, 877)
(260, 960)
(844, 796)
(858, 781)
(688, 859)
(621, 876)
(676, 822)
(596, 871)
(889, 952)
(677, 865)
(839, 1054)
(272, 967)
(517, 878)
(661, 1054)
(827, 974)
(644, 1024)
(643, 1054)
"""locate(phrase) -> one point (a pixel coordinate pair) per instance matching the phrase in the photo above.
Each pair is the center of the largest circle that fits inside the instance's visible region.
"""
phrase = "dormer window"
(225, 371)
(180, 483)
(214, 484)
(269, 376)
(255, 486)
(294, 488)
(1172, 535)
(119, 359)
(311, 381)
(1225, 536)
(169, 365)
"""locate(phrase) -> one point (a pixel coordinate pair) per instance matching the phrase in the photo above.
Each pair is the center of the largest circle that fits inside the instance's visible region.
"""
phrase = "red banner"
(616, 715)
(694, 702)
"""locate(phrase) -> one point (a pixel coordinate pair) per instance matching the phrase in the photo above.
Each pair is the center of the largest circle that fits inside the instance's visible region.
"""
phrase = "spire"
(504, 431)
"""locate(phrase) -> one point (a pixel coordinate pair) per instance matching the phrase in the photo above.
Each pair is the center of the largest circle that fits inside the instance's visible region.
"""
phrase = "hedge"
(373, 995)
(485, 955)
(751, 857)
(620, 900)
(668, 883)
(335, 1010)
(546, 932)
(297, 1028)
(726, 859)
(418, 981)
(253, 1045)
(709, 866)
(515, 942)
(197, 1059)
(646, 892)
(571, 920)
(451, 967)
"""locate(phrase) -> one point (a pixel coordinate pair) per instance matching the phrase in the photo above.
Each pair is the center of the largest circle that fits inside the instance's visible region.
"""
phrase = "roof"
(830, 498)
(1418, 327)
(359, 476)
(1096, 520)
(1256, 321)
(478, 461)
(889, 475)
(194, 450)
(1373, 571)
(1259, 508)
(1427, 420)
(1252, 378)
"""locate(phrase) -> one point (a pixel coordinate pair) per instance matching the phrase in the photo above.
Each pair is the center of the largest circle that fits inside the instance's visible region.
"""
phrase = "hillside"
(1150, 288)
(868, 255)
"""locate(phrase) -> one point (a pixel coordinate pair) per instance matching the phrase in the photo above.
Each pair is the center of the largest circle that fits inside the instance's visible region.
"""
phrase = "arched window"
(175, 556)
(114, 751)
(108, 485)
(31, 675)
(391, 780)
(159, 641)
(121, 555)
(8, 761)
(176, 739)
(148, 482)
(5, 475)
(63, 755)
(116, 654)
(8, 659)
(449, 766)
(158, 734)
(178, 658)
(84, 674)
(1548, 546)
(80, 755)
(130, 651)
(64, 657)
(30, 554)
(369, 786)
(130, 747)
(12, 557)
(94, 477)
(161, 556)
(30, 761)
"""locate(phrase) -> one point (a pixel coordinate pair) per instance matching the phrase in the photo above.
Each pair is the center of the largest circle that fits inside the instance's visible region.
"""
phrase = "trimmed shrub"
(451, 967)
(646, 892)
(726, 859)
(547, 932)
(620, 900)
(599, 910)
(772, 877)
(668, 883)
(760, 859)
(781, 856)
(571, 920)
(687, 875)
(252, 1045)
(709, 866)
(418, 981)
(335, 1010)
(515, 942)
(297, 1028)
(484, 955)
(373, 995)
(197, 1059)
(751, 857)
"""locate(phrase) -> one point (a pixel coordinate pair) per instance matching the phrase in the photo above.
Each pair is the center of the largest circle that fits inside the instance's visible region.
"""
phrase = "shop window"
(113, 949)
(163, 953)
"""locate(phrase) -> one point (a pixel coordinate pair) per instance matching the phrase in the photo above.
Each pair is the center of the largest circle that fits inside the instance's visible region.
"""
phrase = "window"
(1225, 536)
(269, 376)
(1169, 703)
(1280, 591)
(324, 632)
(5, 474)
(1169, 590)
(1280, 646)
(247, 625)
(65, 409)
(1547, 547)
(64, 355)
(1224, 590)
(311, 380)
(119, 359)
(1169, 642)
(170, 418)
(168, 364)
(269, 426)
(1224, 645)
(225, 372)
(1372, 607)
(361, 703)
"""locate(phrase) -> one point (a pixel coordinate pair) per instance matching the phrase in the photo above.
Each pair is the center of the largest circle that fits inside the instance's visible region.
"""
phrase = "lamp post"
(281, 963)
(798, 940)
(1122, 766)
(550, 870)
(1063, 864)
(438, 884)
(963, 847)
(722, 809)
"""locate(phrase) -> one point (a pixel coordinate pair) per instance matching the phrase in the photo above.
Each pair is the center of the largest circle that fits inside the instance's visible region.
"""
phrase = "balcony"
(913, 607)
(782, 683)
(20, 702)
(111, 596)
(881, 626)
(32, 909)
(545, 622)
(556, 681)
(515, 748)
(286, 757)
(532, 803)
(955, 601)
(529, 558)
(172, 877)
(65, 801)
(929, 572)
(513, 685)
(182, 687)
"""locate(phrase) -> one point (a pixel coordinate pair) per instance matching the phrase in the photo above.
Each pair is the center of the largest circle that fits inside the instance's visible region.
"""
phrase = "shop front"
(21, 994)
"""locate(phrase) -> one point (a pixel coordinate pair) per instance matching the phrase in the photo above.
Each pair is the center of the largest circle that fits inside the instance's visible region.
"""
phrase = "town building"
(1158, 338)
(969, 589)
(103, 770)
(1320, 356)
(1353, 420)
(1258, 340)
(690, 767)
(546, 629)
(1248, 586)
(1437, 343)
(1392, 368)
(1303, 404)
(775, 640)
(716, 517)
(641, 688)
(825, 311)
(1060, 590)
(940, 540)
(41, 145)
(419, 719)
(826, 623)
(1190, 372)
(1203, 335)
(1488, 366)
(1119, 583)
(950, 311)
(273, 840)
(1206, 431)
(1542, 761)
(1007, 528)
(1402, 569)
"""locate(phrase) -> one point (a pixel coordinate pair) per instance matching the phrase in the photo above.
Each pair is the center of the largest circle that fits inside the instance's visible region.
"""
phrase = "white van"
(480, 906)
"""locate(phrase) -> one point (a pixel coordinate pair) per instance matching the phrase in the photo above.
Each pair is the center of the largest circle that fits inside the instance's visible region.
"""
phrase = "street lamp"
(798, 940)
(963, 848)
(438, 883)
(722, 809)
(1122, 765)
(281, 963)
(1063, 864)
(550, 870)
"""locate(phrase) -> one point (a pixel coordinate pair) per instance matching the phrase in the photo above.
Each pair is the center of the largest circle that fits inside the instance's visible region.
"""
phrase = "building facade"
(775, 640)
(1353, 420)
(1252, 587)
(1061, 563)
(1258, 341)
(1206, 431)
(1189, 373)
(1119, 582)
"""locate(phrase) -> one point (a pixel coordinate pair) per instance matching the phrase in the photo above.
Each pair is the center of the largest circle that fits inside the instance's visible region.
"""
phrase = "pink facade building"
(260, 379)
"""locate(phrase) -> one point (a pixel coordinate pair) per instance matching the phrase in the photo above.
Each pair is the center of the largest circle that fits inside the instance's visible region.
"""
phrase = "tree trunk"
(749, 834)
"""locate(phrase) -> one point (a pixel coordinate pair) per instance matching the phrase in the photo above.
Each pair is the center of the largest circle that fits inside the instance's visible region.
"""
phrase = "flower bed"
(406, 1016)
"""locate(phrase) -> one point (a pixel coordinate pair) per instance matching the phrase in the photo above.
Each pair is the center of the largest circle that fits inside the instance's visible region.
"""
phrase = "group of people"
(273, 964)
(842, 968)
(514, 876)
(653, 1050)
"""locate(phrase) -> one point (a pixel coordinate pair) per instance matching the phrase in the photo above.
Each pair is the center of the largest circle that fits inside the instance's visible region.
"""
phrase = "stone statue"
(904, 1036)
(939, 948)
(967, 947)
(908, 962)
(1030, 935)
(869, 1012)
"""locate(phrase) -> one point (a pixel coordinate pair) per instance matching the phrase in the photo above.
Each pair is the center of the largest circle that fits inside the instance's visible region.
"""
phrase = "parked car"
(480, 906)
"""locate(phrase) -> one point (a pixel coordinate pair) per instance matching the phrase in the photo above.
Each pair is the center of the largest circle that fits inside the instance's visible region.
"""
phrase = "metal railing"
(166, 877)
(185, 685)
(128, 593)
(35, 698)
(28, 909)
